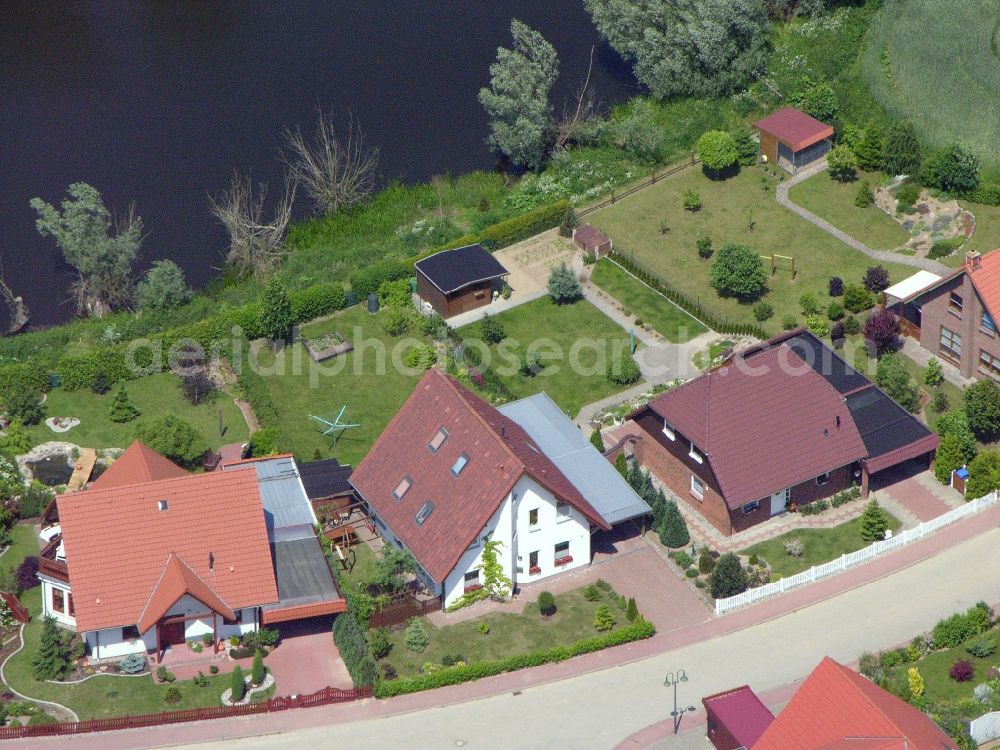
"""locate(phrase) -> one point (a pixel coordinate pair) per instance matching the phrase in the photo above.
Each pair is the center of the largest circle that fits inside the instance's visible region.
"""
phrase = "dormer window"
(423, 513)
(438, 440)
(668, 430)
(460, 463)
(402, 488)
(696, 455)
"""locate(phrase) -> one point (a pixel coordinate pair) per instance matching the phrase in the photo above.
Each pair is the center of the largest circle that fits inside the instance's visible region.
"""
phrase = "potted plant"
(535, 570)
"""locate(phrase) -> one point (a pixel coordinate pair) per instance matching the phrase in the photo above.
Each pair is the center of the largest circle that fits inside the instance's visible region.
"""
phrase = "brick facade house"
(955, 317)
(785, 422)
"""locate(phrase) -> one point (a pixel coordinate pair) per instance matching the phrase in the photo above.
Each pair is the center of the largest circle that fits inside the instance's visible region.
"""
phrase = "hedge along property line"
(508, 232)
(695, 310)
(638, 630)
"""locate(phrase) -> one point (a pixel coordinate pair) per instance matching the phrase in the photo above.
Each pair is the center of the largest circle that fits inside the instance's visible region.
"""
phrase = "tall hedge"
(353, 648)
(456, 675)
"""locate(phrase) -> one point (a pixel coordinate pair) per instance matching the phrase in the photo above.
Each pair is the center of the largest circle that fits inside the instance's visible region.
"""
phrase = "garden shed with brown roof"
(590, 239)
(792, 139)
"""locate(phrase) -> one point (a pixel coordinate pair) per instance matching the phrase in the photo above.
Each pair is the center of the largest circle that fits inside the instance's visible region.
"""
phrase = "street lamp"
(673, 680)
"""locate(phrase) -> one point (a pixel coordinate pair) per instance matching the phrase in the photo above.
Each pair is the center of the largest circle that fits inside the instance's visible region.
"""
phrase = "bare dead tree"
(256, 243)
(335, 173)
(584, 110)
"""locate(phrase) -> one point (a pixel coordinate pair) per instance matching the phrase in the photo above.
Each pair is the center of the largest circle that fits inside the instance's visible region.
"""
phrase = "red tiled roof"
(177, 581)
(835, 703)
(499, 453)
(742, 713)
(770, 411)
(795, 129)
(118, 542)
(136, 465)
(986, 279)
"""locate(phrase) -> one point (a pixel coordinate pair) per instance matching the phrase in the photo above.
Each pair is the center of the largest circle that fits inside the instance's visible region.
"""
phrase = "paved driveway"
(307, 660)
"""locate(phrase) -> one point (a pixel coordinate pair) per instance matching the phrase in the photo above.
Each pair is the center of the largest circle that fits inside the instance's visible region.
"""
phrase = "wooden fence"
(654, 176)
(322, 697)
(398, 611)
(17, 610)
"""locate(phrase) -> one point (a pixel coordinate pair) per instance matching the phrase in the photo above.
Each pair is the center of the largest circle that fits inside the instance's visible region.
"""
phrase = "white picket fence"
(849, 560)
(986, 728)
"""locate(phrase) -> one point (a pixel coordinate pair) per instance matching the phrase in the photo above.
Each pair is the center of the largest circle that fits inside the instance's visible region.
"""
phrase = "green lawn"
(634, 225)
(575, 341)
(24, 542)
(650, 306)
(102, 696)
(509, 633)
(821, 545)
(365, 380)
(938, 70)
(364, 565)
(934, 669)
(154, 396)
(834, 201)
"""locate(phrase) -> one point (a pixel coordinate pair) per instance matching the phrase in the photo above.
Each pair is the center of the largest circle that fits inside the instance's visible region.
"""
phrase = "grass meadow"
(939, 69)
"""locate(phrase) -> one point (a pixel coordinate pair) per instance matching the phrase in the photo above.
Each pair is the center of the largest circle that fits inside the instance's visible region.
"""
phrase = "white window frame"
(563, 511)
(820, 481)
(669, 431)
(988, 325)
(533, 526)
(474, 579)
(695, 482)
(693, 453)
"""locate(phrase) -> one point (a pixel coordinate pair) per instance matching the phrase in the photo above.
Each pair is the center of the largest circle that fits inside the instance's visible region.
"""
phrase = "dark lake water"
(156, 103)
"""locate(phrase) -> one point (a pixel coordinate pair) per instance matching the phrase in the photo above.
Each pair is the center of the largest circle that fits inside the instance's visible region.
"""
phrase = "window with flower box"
(533, 567)
(472, 581)
(562, 555)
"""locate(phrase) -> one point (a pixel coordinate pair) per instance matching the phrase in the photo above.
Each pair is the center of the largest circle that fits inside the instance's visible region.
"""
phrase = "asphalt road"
(600, 709)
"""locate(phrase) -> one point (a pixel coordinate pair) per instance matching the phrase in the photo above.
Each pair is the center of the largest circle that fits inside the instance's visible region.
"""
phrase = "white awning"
(911, 285)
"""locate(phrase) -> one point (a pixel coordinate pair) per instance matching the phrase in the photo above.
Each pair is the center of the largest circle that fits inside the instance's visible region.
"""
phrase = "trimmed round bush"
(546, 604)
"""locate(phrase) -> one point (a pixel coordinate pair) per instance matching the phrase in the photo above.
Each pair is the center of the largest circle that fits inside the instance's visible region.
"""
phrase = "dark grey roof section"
(826, 362)
(302, 573)
(884, 425)
(451, 270)
(325, 478)
(590, 472)
(281, 491)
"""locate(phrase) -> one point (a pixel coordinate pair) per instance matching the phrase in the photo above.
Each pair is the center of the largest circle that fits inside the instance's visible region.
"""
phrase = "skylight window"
(438, 440)
(460, 463)
(161, 504)
(402, 488)
(423, 513)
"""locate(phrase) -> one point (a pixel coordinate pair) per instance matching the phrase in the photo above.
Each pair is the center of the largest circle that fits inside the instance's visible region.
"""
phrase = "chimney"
(973, 260)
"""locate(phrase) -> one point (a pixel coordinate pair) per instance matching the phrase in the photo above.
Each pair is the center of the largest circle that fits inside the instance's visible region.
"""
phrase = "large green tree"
(901, 152)
(869, 148)
(953, 169)
(717, 151)
(728, 578)
(687, 47)
(276, 318)
(51, 660)
(163, 287)
(174, 438)
(738, 271)
(517, 99)
(957, 423)
(982, 407)
(101, 251)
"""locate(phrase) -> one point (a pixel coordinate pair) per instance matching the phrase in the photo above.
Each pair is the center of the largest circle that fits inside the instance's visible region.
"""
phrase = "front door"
(171, 633)
(778, 500)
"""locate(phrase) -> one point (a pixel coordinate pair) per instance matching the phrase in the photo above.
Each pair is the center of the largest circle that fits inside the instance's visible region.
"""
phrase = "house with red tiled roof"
(451, 472)
(792, 139)
(836, 708)
(784, 422)
(954, 317)
(150, 556)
